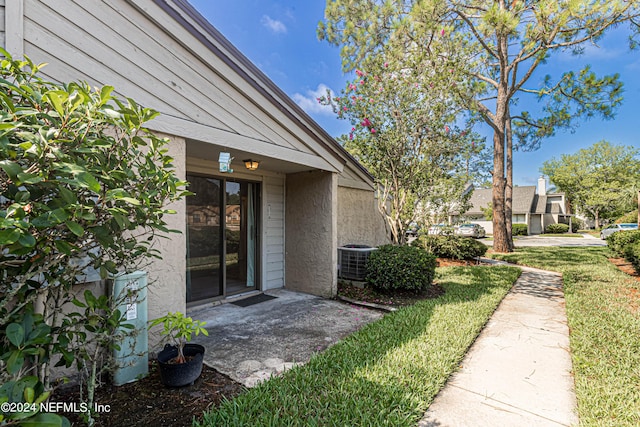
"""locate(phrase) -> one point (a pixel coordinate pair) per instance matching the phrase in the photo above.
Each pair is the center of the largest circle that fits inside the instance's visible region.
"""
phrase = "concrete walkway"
(519, 371)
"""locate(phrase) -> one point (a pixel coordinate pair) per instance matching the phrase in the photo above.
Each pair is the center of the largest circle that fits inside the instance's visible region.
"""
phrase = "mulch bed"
(147, 402)
(625, 266)
(398, 298)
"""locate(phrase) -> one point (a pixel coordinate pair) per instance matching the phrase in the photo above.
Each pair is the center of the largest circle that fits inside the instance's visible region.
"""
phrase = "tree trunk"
(508, 191)
(500, 238)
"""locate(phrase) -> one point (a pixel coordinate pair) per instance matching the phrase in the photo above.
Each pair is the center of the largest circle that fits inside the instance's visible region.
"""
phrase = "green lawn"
(388, 372)
(603, 308)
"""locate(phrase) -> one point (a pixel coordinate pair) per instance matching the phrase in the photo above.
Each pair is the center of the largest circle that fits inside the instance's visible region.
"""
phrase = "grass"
(388, 372)
(603, 309)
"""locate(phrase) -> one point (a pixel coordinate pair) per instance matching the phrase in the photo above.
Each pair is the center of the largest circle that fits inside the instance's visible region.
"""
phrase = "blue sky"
(280, 38)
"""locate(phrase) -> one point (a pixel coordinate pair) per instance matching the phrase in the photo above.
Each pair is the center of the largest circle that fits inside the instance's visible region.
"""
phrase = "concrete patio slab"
(250, 344)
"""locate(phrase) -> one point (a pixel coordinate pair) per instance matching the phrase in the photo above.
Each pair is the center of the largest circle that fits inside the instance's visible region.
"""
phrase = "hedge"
(400, 267)
(557, 228)
(619, 240)
(455, 247)
(632, 254)
(519, 230)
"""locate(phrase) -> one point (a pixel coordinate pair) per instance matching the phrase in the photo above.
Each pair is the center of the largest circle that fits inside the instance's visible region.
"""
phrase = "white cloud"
(309, 102)
(274, 25)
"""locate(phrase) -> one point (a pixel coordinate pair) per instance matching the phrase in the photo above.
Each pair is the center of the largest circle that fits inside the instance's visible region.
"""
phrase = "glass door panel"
(240, 235)
(222, 236)
(204, 239)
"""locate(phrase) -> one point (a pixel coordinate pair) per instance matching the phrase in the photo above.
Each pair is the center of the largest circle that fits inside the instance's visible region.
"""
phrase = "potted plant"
(180, 363)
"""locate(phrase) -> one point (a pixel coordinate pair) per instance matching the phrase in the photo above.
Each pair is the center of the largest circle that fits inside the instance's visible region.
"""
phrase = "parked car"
(440, 229)
(413, 230)
(472, 230)
(613, 228)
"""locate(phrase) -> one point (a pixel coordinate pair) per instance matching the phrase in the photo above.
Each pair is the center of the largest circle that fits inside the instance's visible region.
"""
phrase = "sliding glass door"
(222, 236)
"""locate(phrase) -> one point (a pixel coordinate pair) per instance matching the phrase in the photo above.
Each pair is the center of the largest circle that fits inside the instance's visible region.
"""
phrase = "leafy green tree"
(489, 51)
(404, 134)
(82, 185)
(600, 180)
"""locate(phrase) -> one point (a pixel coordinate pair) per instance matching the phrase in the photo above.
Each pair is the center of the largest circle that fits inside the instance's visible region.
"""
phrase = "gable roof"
(523, 200)
(168, 57)
(198, 26)
(540, 204)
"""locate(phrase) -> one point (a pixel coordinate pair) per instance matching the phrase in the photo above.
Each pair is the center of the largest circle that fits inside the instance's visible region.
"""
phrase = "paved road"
(540, 240)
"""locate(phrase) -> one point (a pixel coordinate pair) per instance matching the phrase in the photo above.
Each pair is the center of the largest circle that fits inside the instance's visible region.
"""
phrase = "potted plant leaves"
(180, 362)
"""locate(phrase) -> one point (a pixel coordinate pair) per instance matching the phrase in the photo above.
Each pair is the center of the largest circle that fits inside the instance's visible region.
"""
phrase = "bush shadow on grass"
(553, 258)
(388, 372)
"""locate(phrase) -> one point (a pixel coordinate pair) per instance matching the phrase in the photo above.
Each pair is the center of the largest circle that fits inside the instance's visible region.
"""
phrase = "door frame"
(258, 222)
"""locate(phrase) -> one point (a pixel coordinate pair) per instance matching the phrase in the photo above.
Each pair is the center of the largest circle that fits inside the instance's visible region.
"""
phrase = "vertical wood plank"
(14, 28)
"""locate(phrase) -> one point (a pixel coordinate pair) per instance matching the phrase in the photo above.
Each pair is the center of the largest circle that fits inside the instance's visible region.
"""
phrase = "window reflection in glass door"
(240, 235)
(222, 237)
(204, 244)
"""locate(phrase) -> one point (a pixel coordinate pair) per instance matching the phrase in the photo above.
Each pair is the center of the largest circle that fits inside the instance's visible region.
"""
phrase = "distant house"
(531, 206)
(251, 230)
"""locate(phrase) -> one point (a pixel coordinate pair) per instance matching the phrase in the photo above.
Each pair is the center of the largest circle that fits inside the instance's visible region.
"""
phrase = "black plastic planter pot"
(180, 374)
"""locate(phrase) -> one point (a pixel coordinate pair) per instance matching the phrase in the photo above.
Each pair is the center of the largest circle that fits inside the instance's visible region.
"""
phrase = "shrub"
(631, 217)
(455, 247)
(632, 254)
(557, 228)
(83, 184)
(619, 240)
(400, 267)
(577, 224)
(519, 230)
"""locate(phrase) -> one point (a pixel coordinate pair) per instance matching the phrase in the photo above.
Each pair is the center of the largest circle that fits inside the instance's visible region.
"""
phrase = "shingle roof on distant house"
(540, 203)
(523, 200)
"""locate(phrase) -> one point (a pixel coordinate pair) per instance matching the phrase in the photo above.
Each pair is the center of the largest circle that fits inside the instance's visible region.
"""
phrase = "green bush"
(557, 228)
(632, 254)
(83, 184)
(400, 267)
(577, 224)
(631, 217)
(519, 230)
(618, 241)
(455, 247)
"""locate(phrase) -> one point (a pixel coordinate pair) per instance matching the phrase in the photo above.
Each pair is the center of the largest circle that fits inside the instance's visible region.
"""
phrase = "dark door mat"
(246, 302)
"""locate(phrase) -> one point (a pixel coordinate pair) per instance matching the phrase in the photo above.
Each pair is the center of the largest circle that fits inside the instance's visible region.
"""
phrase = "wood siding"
(273, 214)
(2, 24)
(116, 43)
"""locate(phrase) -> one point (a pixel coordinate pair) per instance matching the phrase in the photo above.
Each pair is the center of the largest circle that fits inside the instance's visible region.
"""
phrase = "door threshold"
(242, 295)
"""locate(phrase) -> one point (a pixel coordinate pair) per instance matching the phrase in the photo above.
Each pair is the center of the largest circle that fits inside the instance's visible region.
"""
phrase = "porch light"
(251, 164)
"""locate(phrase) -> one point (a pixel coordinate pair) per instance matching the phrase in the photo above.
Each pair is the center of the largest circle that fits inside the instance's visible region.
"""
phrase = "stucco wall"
(359, 220)
(167, 277)
(311, 232)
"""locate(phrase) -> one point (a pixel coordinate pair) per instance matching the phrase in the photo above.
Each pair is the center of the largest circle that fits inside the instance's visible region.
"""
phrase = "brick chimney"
(542, 186)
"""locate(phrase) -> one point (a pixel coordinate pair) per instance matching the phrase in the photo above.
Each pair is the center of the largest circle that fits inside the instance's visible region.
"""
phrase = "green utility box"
(129, 293)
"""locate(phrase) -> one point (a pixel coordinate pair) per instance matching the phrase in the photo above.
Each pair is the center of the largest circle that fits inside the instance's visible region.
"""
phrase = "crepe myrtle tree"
(403, 131)
(82, 184)
(493, 49)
